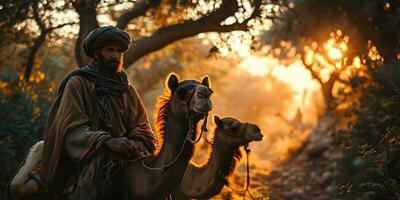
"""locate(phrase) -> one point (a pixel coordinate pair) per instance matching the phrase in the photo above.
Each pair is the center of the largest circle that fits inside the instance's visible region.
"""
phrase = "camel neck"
(207, 180)
(223, 157)
(174, 138)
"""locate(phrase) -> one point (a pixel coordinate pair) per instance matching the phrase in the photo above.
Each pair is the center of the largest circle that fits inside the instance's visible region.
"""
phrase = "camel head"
(236, 133)
(190, 96)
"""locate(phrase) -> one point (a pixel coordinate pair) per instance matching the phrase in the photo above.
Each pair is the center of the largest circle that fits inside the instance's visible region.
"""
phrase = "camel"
(206, 181)
(177, 115)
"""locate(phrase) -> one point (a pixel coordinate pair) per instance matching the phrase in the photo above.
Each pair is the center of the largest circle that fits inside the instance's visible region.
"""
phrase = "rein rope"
(203, 129)
(165, 166)
(247, 188)
(188, 138)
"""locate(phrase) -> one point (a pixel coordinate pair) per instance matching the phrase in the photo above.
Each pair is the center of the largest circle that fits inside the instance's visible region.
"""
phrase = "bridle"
(189, 115)
(189, 134)
(247, 187)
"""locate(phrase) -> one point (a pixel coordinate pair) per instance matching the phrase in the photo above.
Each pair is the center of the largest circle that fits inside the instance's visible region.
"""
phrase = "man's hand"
(141, 148)
(124, 146)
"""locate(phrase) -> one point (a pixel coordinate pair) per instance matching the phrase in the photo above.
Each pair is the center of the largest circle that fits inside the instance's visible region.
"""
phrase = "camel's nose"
(208, 105)
(256, 129)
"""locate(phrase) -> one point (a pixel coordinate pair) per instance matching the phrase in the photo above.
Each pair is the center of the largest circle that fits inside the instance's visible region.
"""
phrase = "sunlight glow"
(299, 79)
(335, 53)
(256, 66)
(357, 62)
(335, 50)
(295, 75)
(309, 57)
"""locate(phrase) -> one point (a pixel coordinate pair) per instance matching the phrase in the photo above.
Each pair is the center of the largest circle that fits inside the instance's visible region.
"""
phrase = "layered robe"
(89, 110)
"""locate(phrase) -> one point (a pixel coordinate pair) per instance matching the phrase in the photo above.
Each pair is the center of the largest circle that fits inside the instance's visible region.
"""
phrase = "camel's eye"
(181, 94)
(235, 127)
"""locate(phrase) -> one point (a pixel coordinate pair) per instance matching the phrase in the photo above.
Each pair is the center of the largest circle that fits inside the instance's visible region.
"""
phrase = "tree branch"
(139, 9)
(309, 68)
(36, 17)
(166, 35)
(32, 54)
(35, 48)
(172, 33)
(44, 31)
(60, 26)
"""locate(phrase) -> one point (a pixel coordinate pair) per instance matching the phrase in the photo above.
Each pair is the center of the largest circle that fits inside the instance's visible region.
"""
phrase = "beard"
(110, 67)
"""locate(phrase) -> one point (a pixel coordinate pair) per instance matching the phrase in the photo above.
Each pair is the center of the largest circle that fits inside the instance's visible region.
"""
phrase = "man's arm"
(80, 146)
(81, 141)
(139, 128)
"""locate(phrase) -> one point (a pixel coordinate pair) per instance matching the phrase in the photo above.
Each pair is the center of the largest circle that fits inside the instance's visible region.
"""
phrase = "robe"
(74, 135)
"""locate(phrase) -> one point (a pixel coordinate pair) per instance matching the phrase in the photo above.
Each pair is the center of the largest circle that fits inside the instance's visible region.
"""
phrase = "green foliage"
(370, 168)
(23, 116)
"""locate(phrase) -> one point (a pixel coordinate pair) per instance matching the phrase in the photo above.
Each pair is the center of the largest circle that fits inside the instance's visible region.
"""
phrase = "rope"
(247, 188)
(208, 141)
(203, 129)
(165, 166)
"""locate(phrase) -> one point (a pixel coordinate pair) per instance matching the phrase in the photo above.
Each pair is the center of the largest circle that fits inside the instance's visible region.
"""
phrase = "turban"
(106, 35)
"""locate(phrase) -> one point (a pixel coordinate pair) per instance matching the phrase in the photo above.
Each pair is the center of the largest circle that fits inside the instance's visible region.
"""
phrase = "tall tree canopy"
(337, 38)
(153, 23)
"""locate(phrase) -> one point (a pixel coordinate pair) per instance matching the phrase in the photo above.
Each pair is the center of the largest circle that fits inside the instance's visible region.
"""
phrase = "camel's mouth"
(258, 137)
(199, 115)
(201, 111)
(255, 137)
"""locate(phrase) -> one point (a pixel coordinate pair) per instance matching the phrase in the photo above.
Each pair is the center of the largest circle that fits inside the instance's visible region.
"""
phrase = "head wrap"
(106, 35)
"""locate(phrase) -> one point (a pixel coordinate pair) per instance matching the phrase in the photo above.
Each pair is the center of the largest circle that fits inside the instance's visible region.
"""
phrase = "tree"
(156, 23)
(368, 30)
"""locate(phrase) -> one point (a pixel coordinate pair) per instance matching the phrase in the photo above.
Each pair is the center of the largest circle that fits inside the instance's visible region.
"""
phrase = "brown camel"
(188, 98)
(206, 181)
(177, 116)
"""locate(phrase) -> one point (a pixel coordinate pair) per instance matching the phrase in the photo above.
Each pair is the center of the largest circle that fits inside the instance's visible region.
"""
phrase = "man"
(97, 116)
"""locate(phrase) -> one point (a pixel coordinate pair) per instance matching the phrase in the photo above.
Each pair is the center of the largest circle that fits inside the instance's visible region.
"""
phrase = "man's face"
(111, 57)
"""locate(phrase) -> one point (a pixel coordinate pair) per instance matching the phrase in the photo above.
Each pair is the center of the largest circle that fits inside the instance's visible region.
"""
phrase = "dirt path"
(309, 173)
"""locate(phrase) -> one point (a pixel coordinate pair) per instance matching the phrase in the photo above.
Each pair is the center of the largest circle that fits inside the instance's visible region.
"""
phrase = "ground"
(309, 173)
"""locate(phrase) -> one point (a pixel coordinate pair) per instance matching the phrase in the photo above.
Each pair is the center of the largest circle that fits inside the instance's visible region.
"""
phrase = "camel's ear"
(206, 81)
(172, 81)
(217, 121)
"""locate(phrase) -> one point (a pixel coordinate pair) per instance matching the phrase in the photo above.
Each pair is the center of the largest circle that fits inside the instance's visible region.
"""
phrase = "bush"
(24, 109)
(370, 168)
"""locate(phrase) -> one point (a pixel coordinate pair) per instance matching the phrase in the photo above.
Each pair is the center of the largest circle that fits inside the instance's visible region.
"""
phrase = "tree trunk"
(87, 22)
(327, 88)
